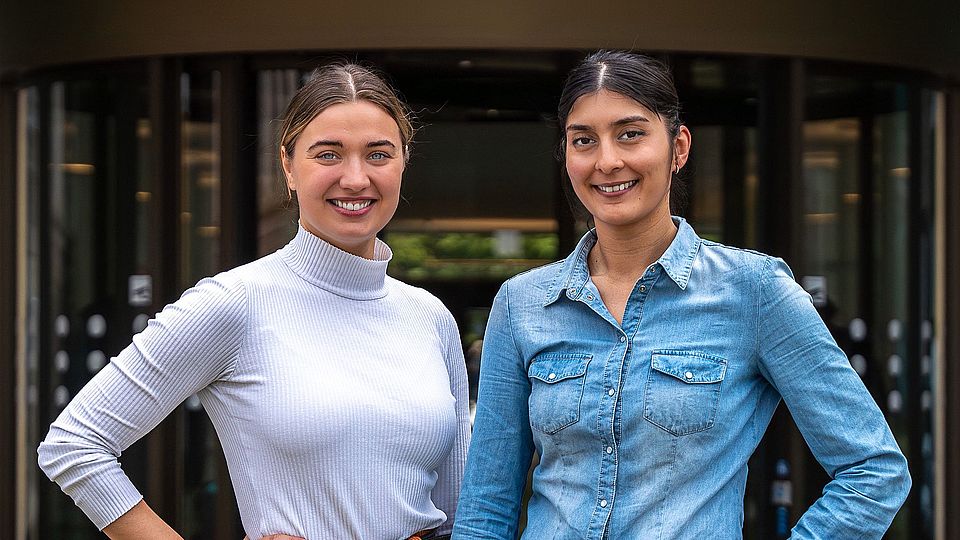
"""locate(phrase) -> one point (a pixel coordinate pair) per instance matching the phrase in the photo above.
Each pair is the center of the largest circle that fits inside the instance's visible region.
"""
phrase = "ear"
(681, 147)
(287, 169)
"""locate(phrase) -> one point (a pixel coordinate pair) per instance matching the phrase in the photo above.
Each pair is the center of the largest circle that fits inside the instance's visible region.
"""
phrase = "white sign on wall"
(817, 287)
(140, 290)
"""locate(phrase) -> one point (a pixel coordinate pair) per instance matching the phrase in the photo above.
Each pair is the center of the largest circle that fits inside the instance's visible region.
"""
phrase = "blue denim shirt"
(644, 428)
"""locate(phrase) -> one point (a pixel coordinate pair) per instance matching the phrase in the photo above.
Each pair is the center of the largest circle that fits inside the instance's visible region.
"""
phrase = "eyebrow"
(621, 122)
(338, 144)
(381, 142)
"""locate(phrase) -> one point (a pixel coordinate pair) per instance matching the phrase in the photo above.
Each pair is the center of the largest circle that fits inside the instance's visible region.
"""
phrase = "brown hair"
(342, 83)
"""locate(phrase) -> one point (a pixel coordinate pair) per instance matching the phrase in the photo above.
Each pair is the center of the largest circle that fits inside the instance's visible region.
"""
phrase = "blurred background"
(138, 154)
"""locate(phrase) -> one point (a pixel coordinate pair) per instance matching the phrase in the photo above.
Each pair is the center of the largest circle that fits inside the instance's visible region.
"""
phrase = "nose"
(608, 160)
(354, 177)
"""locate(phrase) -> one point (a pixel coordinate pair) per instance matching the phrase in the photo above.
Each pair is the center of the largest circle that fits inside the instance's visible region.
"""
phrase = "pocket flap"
(690, 367)
(555, 367)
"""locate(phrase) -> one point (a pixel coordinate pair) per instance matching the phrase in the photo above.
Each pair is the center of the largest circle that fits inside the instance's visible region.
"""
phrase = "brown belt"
(428, 534)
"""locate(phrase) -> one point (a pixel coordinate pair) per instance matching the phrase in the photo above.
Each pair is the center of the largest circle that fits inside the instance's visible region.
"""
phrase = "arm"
(502, 444)
(450, 473)
(835, 413)
(140, 522)
(190, 344)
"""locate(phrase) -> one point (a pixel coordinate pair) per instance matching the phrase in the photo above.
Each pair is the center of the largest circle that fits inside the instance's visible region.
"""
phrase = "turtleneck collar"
(332, 269)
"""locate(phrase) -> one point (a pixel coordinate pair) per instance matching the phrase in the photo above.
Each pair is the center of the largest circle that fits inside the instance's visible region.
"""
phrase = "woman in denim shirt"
(645, 367)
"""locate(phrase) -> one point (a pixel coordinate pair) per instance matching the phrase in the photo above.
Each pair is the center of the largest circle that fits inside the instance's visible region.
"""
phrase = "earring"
(678, 168)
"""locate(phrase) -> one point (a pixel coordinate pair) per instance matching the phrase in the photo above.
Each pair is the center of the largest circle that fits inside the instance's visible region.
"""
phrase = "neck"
(625, 252)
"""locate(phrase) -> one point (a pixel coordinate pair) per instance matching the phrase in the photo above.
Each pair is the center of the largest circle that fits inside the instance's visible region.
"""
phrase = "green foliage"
(463, 255)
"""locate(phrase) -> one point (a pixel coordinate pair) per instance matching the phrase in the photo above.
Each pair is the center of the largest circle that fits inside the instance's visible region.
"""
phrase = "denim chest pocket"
(556, 388)
(683, 391)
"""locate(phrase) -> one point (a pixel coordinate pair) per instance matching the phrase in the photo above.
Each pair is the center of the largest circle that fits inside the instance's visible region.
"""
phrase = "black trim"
(8, 309)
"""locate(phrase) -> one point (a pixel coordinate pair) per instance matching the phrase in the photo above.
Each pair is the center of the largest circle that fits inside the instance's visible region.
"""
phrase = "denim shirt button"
(589, 297)
(609, 449)
(552, 376)
(622, 339)
(611, 392)
(643, 288)
(603, 503)
(688, 375)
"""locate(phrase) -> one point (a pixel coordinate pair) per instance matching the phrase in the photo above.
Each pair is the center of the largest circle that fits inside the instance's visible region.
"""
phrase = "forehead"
(353, 118)
(604, 106)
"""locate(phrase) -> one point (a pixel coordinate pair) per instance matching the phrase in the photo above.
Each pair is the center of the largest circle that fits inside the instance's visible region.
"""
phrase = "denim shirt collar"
(676, 261)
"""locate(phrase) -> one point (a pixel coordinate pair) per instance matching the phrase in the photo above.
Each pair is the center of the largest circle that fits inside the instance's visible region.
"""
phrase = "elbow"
(63, 455)
(902, 481)
(892, 482)
(50, 454)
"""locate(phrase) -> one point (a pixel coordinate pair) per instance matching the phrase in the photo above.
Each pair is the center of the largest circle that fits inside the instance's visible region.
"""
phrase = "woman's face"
(619, 158)
(346, 167)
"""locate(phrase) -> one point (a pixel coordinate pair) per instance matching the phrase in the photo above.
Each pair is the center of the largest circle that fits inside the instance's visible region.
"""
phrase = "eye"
(581, 141)
(380, 155)
(631, 134)
(326, 156)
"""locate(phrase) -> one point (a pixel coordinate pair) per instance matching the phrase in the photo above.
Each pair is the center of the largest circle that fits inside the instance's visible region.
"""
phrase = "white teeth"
(353, 206)
(618, 187)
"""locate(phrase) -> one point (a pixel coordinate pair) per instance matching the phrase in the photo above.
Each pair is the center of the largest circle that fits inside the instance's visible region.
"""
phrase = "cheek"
(577, 169)
(388, 183)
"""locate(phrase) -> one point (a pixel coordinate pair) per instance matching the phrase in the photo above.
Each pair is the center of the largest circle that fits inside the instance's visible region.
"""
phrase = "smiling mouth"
(352, 206)
(618, 187)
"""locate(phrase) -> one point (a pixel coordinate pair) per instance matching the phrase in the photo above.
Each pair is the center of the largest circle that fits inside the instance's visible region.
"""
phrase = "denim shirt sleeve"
(833, 410)
(502, 443)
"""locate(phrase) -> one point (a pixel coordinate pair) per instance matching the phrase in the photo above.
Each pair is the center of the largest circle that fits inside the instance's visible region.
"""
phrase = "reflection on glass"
(831, 211)
(892, 184)
(200, 236)
(28, 310)
(706, 183)
(95, 236)
(200, 161)
(277, 216)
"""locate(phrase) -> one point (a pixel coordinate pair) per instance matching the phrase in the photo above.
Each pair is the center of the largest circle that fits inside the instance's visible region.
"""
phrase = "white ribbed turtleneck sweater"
(339, 395)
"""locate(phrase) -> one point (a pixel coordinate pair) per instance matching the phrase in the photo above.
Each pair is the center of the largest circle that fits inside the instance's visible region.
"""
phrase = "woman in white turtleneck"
(338, 393)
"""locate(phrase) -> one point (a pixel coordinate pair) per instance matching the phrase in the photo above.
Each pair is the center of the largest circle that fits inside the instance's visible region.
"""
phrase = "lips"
(617, 188)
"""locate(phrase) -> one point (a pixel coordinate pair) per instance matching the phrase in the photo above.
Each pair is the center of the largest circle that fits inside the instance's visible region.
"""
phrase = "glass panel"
(277, 215)
(28, 309)
(859, 259)
(200, 222)
(95, 278)
(831, 218)
(200, 195)
(706, 184)
(892, 354)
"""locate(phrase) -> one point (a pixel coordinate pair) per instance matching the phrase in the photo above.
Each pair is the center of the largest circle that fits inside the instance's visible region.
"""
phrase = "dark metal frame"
(951, 339)
(8, 309)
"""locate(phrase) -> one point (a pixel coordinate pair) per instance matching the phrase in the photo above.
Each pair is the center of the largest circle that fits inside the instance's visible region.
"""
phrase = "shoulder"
(228, 293)
(751, 264)
(533, 284)
(418, 297)
(269, 269)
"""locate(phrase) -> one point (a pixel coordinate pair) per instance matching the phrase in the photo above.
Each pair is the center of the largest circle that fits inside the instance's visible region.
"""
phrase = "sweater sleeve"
(450, 473)
(190, 344)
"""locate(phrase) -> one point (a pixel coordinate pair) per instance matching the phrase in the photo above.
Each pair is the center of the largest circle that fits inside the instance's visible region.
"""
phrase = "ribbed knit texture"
(339, 395)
